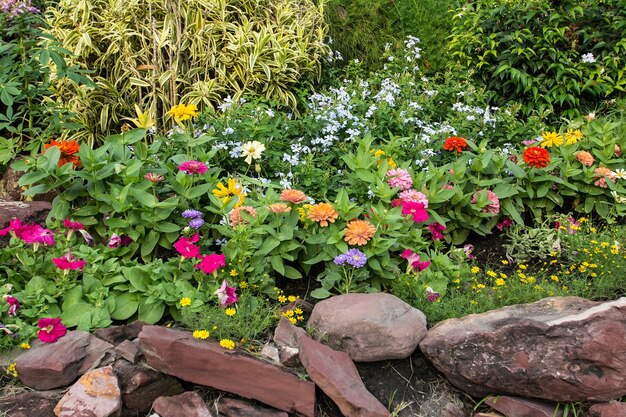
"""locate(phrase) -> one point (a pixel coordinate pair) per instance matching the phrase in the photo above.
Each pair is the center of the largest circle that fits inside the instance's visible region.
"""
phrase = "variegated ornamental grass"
(160, 53)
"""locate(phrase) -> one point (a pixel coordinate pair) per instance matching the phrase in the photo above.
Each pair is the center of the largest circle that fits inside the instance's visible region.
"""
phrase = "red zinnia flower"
(68, 150)
(536, 157)
(454, 144)
(51, 330)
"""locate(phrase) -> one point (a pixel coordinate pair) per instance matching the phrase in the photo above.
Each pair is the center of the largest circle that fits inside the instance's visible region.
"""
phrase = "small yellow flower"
(480, 286)
(491, 273)
(500, 282)
(233, 273)
(230, 312)
(293, 320)
(243, 284)
(12, 370)
(475, 270)
(504, 262)
(605, 244)
(522, 267)
(227, 344)
(288, 313)
(291, 298)
(200, 334)
(503, 275)
(185, 302)
(282, 298)
(298, 311)
(593, 230)
(25, 346)
(554, 278)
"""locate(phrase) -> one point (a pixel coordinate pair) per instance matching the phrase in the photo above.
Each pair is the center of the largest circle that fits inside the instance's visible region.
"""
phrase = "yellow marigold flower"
(500, 282)
(572, 136)
(282, 298)
(12, 370)
(25, 346)
(227, 344)
(182, 112)
(475, 270)
(232, 189)
(291, 298)
(551, 139)
(230, 312)
(359, 232)
(491, 273)
(323, 213)
(185, 302)
(200, 334)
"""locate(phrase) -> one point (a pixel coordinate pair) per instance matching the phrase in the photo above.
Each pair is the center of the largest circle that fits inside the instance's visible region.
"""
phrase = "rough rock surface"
(26, 211)
(369, 327)
(30, 404)
(610, 409)
(335, 374)
(95, 394)
(129, 351)
(94, 353)
(287, 334)
(523, 407)
(188, 404)
(233, 407)
(559, 349)
(177, 353)
(140, 386)
(52, 365)
(117, 334)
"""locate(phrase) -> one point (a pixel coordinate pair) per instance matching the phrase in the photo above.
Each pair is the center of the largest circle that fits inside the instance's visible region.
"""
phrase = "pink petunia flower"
(15, 228)
(211, 263)
(68, 261)
(436, 229)
(414, 261)
(226, 295)
(399, 178)
(36, 234)
(14, 305)
(68, 224)
(504, 224)
(193, 167)
(417, 210)
(185, 246)
(51, 330)
(432, 295)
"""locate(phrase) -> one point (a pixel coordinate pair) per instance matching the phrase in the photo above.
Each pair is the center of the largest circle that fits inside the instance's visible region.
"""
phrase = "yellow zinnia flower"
(551, 139)
(182, 112)
(227, 192)
(572, 136)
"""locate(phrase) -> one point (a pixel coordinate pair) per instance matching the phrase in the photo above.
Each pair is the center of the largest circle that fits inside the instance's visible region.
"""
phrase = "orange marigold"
(454, 144)
(323, 213)
(600, 173)
(280, 208)
(359, 232)
(293, 196)
(236, 217)
(585, 158)
(68, 150)
(536, 157)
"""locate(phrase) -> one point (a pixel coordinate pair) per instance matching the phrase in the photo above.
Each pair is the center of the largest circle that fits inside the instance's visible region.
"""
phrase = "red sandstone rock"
(610, 409)
(289, 356)
(287, 334)
(369, 327)
(26, 211)
(30, 404)
(117, 334)
(488, 415)
(232, 407)
(335, 374)
(559, 349)
(129, 351)
(95, 394)
(94, 353)
(177, 353)
(187, 404)
(523, 407)
(52, 365)
(453, 410)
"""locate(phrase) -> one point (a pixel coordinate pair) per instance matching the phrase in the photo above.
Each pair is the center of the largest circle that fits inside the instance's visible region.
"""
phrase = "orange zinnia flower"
(323, 213)
(293, 196)
(536, 157)
(280, 208)
(454, 144)
(68, 150)
(585, 158)
(600, 173)
(236, 217)
(359, 232)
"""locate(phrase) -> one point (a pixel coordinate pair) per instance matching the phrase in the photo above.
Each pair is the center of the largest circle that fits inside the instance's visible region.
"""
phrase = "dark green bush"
(553, 57)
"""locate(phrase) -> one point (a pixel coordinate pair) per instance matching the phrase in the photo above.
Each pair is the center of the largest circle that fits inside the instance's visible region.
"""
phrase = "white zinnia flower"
(252, 150)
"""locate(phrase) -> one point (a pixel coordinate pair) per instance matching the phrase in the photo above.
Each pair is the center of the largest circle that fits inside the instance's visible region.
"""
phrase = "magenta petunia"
(15, 228)
(51, 330)
(193, 167)
(14, 305)
(68, 224)
(185, 246)
(436, 229)
(211, 263)
(226, 295)
(414, 261)
(37, 234)
(68, 261)
(417, 210)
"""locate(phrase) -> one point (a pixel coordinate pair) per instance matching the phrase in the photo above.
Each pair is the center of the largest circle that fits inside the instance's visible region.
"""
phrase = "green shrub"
(158, 53)
(553, 57)
(360, 29)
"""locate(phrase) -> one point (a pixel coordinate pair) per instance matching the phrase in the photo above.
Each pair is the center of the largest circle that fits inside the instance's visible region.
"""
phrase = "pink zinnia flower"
(67, 262)
(73, 225)
(414, 261)
(416, 210)
(211, 263)
(493, 206)
(193, 167)
(414, 196)
(399, 178)
(226, 295)
(37, 234)
(51, 330)
(436, 229)
(185, 246)
(13, 305)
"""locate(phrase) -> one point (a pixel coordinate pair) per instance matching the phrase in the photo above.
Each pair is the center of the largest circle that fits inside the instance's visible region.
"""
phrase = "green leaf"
(292, 273)
(151, 313)
(149, 243)
(320, 293)
(166, 227)
(125, 306)
(144, 197)
(268, 245)
(277, 263)
(78, 312)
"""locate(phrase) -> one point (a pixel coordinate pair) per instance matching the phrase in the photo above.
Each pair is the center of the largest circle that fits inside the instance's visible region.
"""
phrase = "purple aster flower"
(196, 223)
(192, 214)
(356, 258)
(341, 259)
